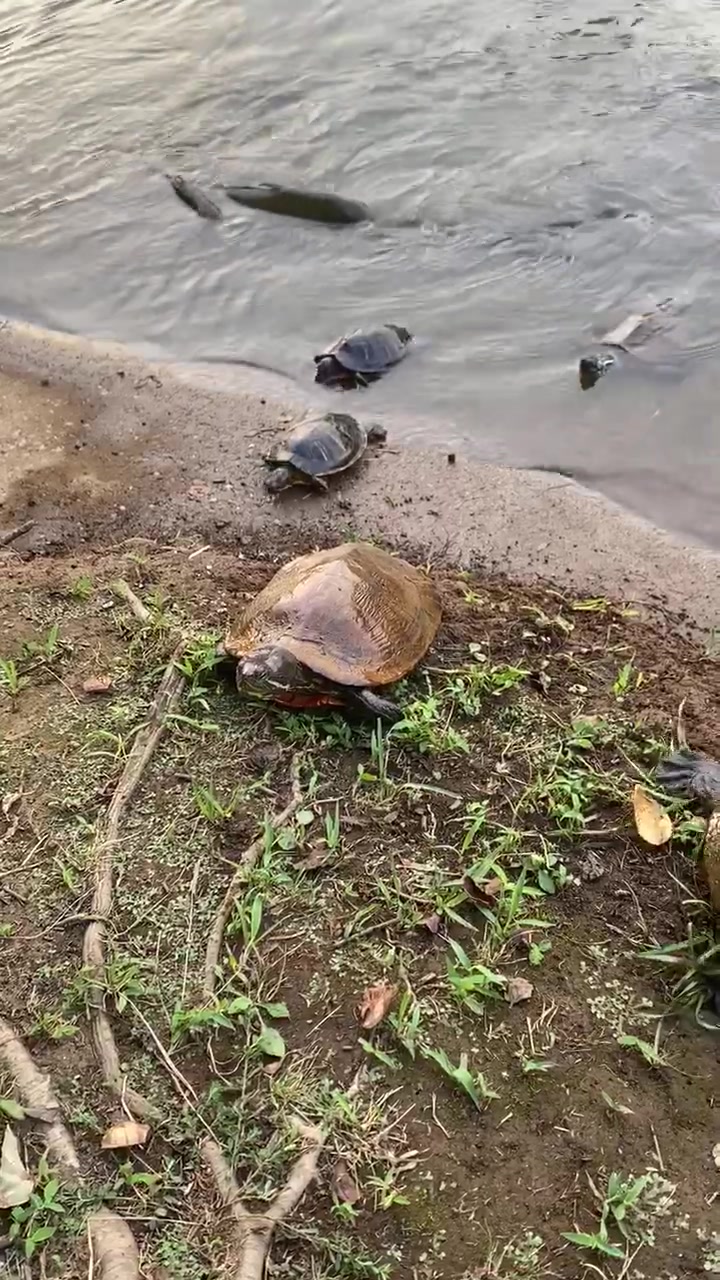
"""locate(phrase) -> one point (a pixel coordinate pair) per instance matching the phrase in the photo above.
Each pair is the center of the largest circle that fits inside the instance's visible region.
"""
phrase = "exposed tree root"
(12, 534)
(166, 699)
(112, 1240)
(254, 1231)
(247, 860)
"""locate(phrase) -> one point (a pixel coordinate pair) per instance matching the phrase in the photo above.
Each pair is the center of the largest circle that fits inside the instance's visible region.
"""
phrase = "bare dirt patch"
(532, 1077)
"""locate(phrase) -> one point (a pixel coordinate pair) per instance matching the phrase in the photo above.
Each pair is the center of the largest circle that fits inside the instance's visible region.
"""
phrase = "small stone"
(592, 866)
(451, 459)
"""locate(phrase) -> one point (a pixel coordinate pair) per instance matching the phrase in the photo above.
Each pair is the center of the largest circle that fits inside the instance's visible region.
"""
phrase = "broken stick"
(148, 736)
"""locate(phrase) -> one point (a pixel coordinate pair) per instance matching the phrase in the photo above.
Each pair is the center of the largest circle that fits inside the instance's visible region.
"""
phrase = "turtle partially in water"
(362, 357)
(293, 202)
(332, 627)
(320, 445)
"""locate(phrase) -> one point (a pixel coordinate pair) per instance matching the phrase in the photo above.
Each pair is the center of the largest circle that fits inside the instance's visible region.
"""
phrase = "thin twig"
(166, 699)
(246, 862)
(680, 732)
(133, 602)
(12, 534)
(113, 1243)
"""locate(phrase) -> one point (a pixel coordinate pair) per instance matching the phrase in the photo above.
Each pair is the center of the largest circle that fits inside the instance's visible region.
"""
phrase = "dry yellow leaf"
(15, 1182)
(653, 824)
(126, 1134)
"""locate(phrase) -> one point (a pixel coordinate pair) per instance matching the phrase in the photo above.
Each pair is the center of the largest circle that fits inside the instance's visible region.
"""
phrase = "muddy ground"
(97, 445)
(536, 1102)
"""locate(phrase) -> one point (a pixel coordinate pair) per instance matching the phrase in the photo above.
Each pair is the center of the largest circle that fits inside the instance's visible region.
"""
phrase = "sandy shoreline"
(97, 444)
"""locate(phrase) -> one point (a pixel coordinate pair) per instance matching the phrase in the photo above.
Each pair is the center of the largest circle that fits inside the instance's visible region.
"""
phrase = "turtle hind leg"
(692, 774)
(371, 704)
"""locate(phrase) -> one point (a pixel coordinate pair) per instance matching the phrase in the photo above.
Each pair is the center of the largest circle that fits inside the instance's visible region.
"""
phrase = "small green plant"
(650, 1053)
(81, 588)
(627, 680)
(695, 962)
(228, 1015)
(472, 983)
(427, 727)
(7, 930)
(210, 806)
(11, 682)
(247, 919)
(629, 1206)
(332, 829)
(53, 1026)
(385, 1193)
(520, 1259)
(34, 1223)
(378, 771)
(470, 686)
(47, 649)
(474, 1084)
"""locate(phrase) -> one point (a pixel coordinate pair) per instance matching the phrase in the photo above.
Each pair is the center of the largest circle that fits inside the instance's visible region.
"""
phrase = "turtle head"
(280, 478)
(593, 367)
(273, 674)
(329, 371)
(403, 334)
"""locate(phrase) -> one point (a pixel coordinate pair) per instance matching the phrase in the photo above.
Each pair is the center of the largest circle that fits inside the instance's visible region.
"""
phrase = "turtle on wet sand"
(362, 357)
(334, 626)
(194, 197)
(321, 445)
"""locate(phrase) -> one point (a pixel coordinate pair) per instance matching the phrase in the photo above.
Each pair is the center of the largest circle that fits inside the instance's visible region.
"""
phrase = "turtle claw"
(691, 774)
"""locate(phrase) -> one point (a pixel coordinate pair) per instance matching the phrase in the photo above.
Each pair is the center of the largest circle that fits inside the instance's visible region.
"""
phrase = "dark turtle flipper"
(691, 774)
(287, 476)
(371, 704)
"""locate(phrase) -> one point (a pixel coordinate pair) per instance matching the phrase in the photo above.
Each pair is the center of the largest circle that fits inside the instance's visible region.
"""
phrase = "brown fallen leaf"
(318, 856)
(376, 1003)
(484, 893)
(653, 824)
(126, 1134)
(97, 684)
(15, 1182)
(344, 1186)
(432, 923)
(517, 990)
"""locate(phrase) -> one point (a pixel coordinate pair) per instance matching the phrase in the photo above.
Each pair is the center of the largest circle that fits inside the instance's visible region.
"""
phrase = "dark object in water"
(315, 206)
(593, 367)
(194, 198)
(319, 446)
(362, 357)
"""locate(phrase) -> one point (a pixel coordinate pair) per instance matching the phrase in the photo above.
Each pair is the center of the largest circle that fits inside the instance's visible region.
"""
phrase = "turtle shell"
(371, 352)
(353, 614)
(321, 446)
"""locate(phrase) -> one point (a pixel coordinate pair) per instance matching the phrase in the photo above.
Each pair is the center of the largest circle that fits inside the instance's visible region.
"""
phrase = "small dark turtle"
(362, 357)
(314, 206)
(194, 198)
(320, 446)
(696, 777)
(333, 626)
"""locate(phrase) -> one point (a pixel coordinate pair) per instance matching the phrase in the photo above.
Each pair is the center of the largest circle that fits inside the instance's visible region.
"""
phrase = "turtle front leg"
(371, 704)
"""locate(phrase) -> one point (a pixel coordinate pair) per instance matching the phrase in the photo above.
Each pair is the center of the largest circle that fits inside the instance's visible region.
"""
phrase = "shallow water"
(537, 170)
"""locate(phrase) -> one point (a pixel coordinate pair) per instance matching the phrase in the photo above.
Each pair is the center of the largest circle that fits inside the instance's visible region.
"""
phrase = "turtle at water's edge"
(320, 445)
(362, 357)
(332, 627)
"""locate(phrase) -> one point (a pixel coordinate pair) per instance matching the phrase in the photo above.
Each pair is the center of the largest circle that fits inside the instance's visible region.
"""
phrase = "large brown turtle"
(333, 626)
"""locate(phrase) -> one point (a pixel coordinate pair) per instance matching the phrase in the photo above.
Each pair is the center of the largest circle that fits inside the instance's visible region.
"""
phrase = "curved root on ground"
(113, 1243)
(254, 1231)
(166, 698)
(246, 862)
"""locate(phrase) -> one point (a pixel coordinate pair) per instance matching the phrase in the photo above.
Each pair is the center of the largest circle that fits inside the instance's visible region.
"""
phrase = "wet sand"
(97, 445)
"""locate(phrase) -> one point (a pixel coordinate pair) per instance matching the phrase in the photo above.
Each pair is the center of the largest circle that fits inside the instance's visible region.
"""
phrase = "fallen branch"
(166, 699)
(13, 534)
(133, 602)
(112, 1240)
(246, 862)
(254, 1231)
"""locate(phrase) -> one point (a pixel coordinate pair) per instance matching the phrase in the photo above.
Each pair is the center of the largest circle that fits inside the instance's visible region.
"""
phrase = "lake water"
(536, 171)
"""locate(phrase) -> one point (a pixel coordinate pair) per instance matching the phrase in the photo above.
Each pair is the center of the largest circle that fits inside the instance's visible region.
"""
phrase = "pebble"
(592, 866)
